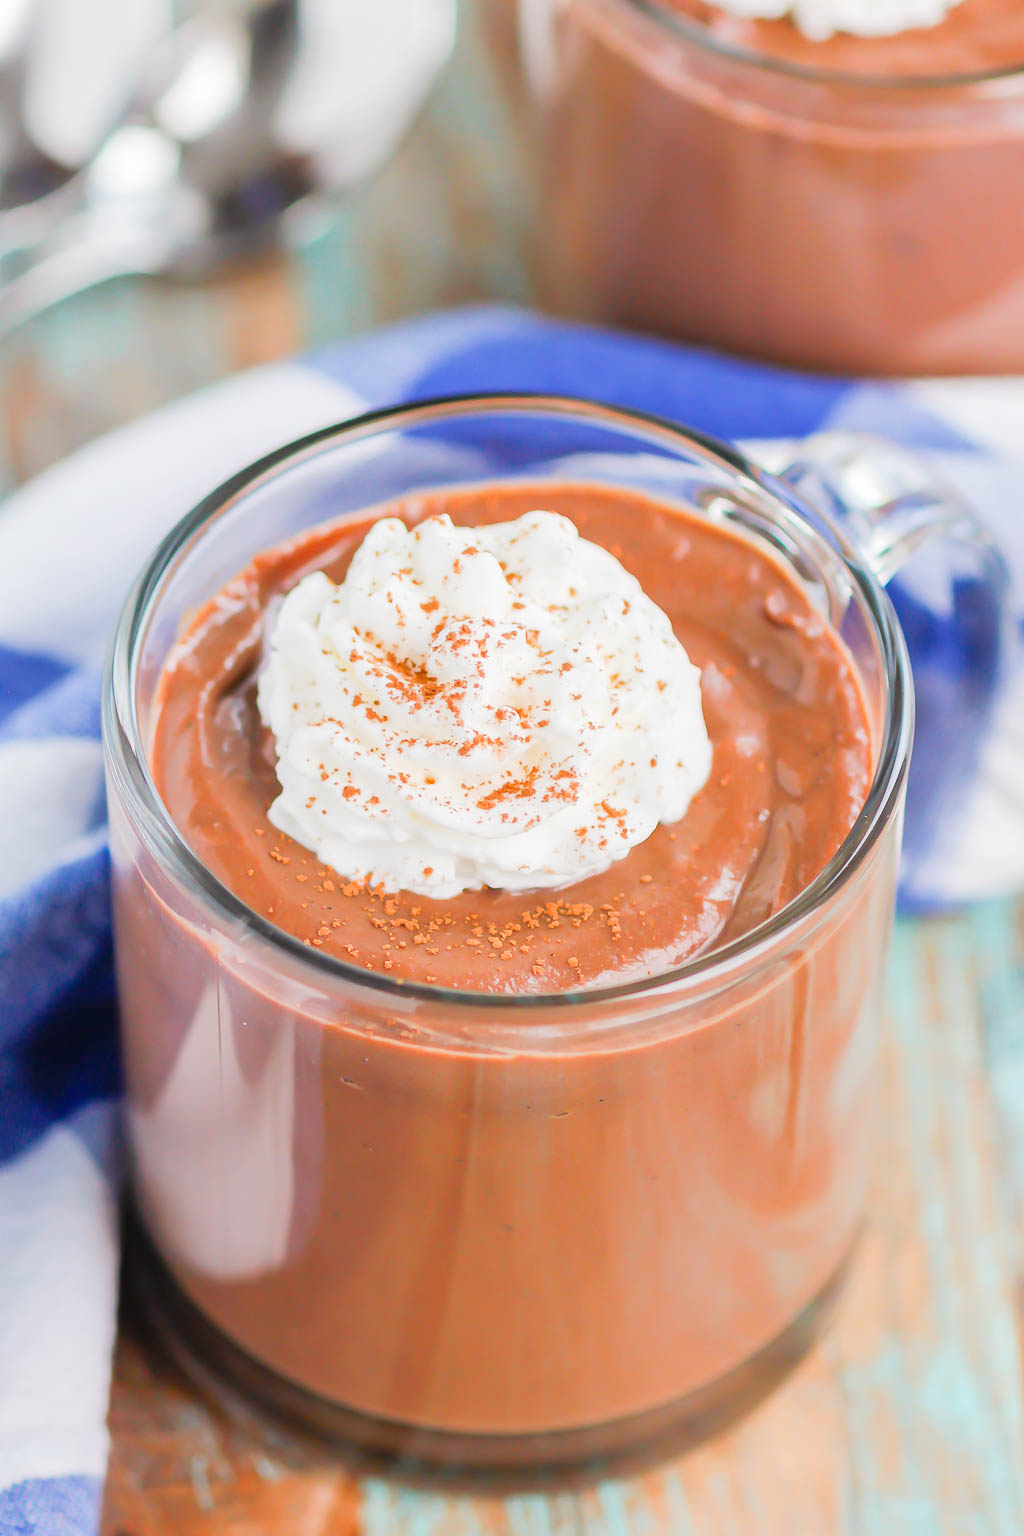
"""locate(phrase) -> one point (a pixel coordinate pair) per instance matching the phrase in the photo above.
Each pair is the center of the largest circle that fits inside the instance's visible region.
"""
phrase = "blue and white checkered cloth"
(70, 545)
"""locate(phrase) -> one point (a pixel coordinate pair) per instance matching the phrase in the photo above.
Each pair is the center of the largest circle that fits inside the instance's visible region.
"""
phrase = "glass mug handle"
(890, 502)
(958, 627)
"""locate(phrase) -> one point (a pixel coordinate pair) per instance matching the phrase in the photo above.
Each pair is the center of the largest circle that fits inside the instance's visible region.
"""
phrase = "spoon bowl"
(200, 166)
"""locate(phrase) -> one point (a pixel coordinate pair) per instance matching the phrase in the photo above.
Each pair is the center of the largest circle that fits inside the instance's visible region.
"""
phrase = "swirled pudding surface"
(791, 763)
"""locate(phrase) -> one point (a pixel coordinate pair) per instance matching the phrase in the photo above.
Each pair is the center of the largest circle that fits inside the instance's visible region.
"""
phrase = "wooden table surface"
(909, 1416)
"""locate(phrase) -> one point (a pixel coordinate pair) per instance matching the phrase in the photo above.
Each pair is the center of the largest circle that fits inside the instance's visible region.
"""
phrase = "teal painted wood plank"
(942, 1376)
(997, 934)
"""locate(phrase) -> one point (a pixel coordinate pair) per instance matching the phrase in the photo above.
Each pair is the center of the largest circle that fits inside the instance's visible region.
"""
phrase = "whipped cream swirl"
(819, 19)
(498, 706)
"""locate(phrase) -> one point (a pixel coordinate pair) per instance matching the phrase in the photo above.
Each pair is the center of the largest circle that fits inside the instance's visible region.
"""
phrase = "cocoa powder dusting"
(745, 847)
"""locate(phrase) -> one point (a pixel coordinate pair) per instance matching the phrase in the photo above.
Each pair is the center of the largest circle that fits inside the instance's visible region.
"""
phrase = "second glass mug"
(852, 223)
(483, 1230)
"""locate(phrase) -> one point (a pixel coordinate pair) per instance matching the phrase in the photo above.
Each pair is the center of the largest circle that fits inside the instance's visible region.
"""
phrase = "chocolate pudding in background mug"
(848, 203)
(533, 1132)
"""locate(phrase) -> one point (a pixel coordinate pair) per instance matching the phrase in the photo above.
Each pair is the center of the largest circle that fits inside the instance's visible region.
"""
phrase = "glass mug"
(852, 223)
(493, 1230)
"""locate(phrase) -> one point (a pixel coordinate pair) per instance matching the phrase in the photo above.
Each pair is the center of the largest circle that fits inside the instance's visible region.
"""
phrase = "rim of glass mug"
(128, 761)
(687, 28)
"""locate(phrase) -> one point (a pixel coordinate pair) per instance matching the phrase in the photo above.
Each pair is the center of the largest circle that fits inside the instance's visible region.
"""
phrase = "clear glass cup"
(499, 1231)
(837, 221)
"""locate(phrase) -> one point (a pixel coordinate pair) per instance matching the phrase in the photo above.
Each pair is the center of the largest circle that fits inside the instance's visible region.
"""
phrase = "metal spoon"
(194, 171)
(189, 174)
(27, 172)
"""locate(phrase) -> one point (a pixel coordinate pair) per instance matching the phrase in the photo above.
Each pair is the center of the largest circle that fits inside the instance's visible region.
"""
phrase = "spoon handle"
(80, 255)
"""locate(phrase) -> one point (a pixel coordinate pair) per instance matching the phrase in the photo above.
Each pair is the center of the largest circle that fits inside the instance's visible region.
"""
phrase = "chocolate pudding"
(791, 766)
(466, 1215)
(852, 204)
